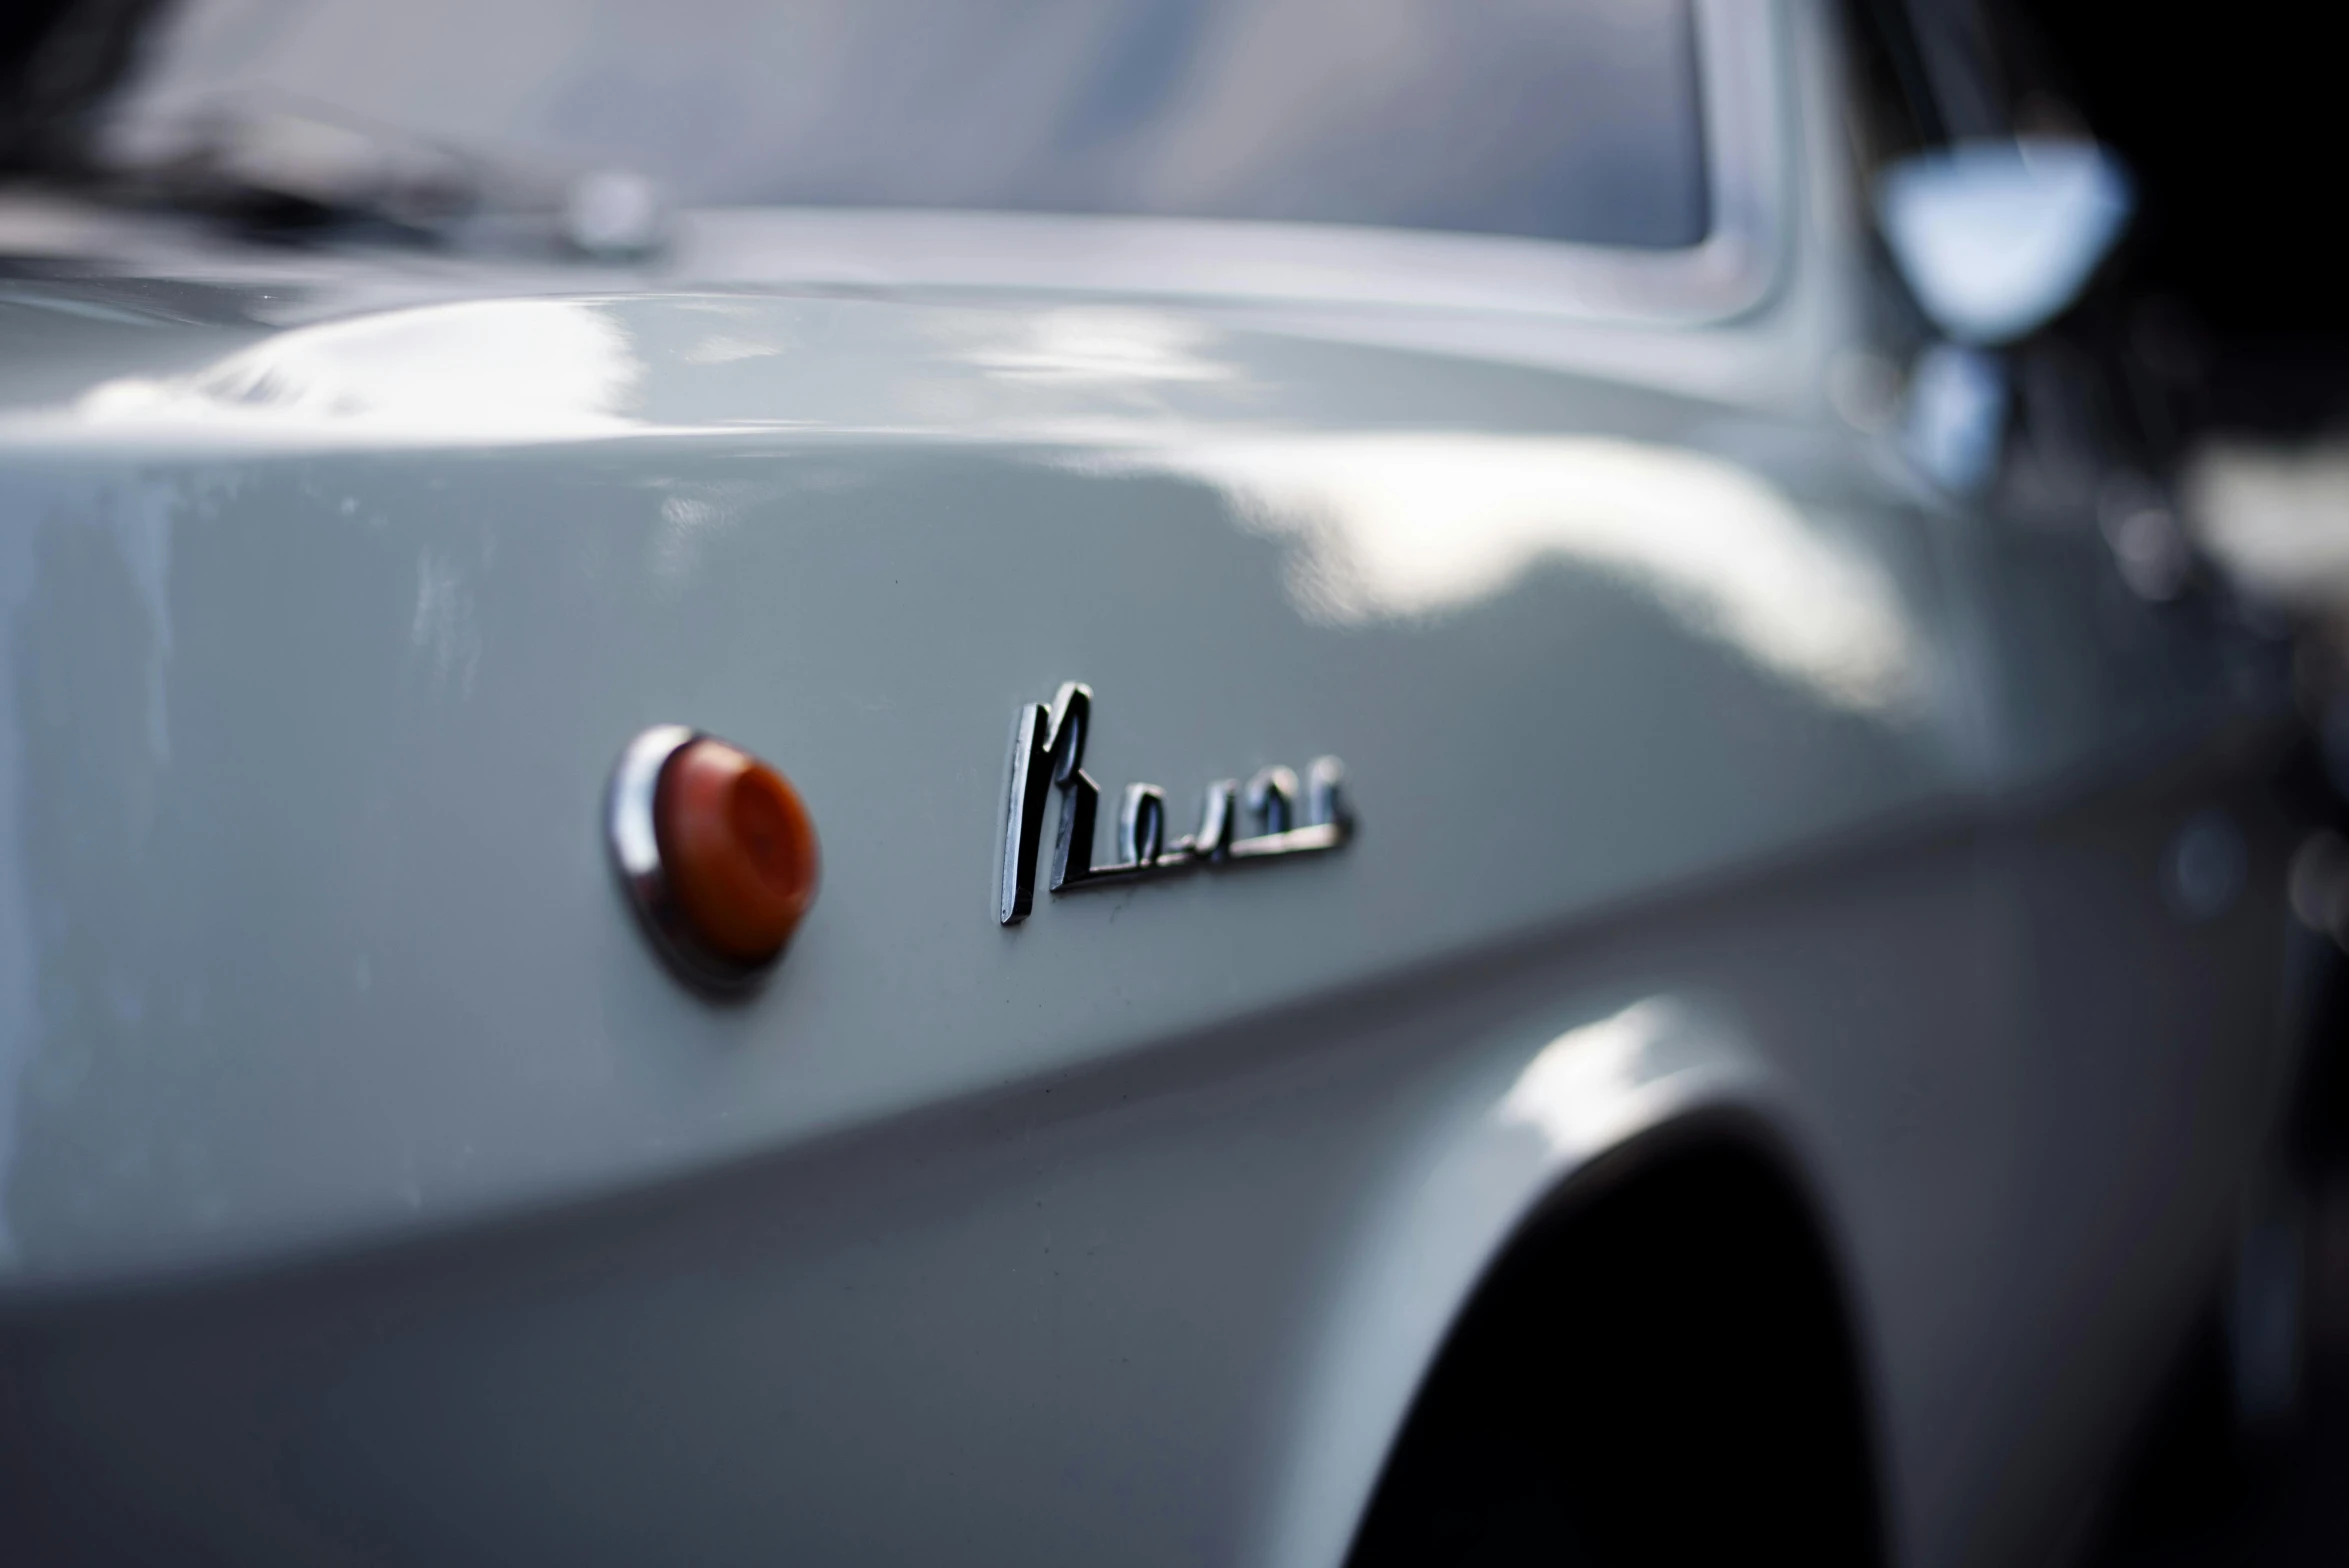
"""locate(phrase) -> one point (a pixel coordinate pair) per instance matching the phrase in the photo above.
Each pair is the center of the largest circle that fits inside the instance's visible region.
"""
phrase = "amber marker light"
(716, 852)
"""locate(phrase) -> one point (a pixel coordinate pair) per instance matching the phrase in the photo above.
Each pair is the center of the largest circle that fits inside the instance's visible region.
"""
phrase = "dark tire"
(1661, 1376)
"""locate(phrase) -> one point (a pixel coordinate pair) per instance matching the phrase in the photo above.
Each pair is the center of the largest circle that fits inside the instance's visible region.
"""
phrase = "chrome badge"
(1048, 748)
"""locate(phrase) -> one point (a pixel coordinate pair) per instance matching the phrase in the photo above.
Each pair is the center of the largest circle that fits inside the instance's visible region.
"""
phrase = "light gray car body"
(370, 1191)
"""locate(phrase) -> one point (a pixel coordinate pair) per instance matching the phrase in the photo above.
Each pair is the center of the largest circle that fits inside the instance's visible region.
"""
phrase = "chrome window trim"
(1741, 64)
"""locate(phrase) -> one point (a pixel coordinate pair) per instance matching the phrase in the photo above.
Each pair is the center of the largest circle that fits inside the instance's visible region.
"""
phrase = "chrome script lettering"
(1048, 750)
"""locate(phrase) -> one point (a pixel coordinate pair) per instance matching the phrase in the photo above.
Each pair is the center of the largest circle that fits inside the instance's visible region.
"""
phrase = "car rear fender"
(1517, 1139)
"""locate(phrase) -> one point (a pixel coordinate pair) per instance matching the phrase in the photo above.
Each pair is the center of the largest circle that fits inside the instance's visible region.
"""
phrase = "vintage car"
(1766, 1044)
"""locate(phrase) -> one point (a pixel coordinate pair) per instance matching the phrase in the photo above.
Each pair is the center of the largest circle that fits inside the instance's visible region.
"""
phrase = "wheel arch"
(1658, 1366)
(1656, 1115)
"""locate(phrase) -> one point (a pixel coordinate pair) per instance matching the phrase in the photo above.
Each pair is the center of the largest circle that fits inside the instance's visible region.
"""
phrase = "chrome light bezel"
(634, 841)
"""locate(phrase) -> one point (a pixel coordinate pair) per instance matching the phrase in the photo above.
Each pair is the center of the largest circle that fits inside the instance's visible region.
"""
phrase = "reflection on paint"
(693, 517)
(1586, 1088)
(446, 628)
(478, 371)
(1099, 345)
(1416, 524)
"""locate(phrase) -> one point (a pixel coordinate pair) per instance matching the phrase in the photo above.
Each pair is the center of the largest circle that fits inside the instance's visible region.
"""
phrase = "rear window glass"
(1561, 119)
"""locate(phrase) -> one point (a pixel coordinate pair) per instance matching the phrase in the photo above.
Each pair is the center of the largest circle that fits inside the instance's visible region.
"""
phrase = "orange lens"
(738, 847)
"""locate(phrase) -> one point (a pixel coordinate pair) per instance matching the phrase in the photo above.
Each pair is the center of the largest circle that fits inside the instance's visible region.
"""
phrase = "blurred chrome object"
(1954, 415)
(633, 838)
(1997, 237)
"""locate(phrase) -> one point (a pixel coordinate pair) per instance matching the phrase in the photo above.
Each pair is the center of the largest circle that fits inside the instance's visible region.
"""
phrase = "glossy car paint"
(370, 1189)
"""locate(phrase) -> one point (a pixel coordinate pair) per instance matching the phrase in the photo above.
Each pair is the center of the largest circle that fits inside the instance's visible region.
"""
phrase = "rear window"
(1558, 119)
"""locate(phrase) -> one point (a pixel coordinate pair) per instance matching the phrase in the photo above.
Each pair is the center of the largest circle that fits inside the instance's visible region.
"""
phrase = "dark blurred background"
(2233, 118)
(2232, 287)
